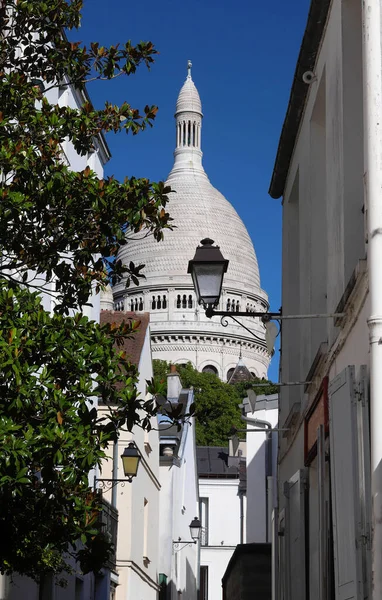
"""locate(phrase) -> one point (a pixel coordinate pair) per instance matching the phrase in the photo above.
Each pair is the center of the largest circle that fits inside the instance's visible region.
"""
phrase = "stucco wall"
(223, 529)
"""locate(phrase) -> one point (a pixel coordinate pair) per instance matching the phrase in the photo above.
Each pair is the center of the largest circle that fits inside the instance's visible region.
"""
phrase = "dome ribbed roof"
(198, 211)
(188, 99)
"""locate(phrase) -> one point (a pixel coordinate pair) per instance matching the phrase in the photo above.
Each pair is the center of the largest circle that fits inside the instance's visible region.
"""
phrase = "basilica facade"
(180, 331)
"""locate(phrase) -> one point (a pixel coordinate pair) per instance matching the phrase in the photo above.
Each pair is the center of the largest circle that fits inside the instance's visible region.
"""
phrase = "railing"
(204, 536)
(109, 519)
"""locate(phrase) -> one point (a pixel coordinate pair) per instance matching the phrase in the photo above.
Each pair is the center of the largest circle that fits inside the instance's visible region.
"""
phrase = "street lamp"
(195, 527)
(207, 270)
(130, 461)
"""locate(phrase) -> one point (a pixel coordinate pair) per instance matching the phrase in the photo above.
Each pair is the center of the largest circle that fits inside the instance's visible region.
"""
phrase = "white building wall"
(323, 242)
(223, 529)
(138, 505)
(259, 466)
(178, 505)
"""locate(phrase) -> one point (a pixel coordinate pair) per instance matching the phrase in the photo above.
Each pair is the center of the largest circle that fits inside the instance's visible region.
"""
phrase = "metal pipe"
(257, 422)
(372, 68)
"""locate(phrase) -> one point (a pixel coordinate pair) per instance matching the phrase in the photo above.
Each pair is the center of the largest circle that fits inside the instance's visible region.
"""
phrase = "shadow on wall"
(257, 470)
(189, 592)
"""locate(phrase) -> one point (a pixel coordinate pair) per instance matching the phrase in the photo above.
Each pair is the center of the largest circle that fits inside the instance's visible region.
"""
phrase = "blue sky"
(244, 55)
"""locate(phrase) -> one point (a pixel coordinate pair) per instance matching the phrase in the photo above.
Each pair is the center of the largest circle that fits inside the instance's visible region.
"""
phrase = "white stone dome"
(199, 210)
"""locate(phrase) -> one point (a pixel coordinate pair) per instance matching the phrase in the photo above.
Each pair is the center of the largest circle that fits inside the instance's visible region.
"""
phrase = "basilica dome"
(180, 331)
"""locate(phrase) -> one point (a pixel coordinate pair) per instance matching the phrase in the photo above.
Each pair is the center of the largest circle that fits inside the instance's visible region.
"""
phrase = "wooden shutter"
(295, 491)
(364, 479)
(344, 485)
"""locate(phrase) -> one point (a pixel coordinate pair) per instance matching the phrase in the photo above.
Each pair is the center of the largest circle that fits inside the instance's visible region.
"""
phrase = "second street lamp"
(195, 528)
(130, 461)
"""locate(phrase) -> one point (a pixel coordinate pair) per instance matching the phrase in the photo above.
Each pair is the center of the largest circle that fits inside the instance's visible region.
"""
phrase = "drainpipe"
(372, 68)
(259, 422)
(241, 497)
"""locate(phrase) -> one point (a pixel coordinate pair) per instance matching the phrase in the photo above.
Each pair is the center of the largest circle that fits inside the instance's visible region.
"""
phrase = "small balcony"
(109, 520)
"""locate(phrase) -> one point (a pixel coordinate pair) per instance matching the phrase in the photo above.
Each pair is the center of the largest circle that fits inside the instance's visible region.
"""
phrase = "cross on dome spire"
(189, 66)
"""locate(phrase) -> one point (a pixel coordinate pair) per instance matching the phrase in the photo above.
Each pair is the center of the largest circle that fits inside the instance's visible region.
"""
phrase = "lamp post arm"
(270, 316)
(177, 545)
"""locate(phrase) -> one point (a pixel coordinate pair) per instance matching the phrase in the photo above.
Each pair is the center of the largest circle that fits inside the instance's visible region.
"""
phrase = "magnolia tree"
(64, 228)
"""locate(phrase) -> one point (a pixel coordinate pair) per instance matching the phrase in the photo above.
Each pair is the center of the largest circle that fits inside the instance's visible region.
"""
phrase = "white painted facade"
(221, 508)
(261, 469)
(137, 503)
(181, 332)
(178, 506)
(324, 474)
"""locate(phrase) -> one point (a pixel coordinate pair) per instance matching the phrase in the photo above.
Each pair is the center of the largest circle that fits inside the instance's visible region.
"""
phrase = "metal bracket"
(177, 544)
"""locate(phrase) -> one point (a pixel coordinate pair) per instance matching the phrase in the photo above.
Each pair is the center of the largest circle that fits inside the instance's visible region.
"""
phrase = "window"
(228, 305)
(203, 582)
(145, 528)
(203, 511)
(140, 307)
(190, 301)
(79, 589)
(229, 374)
(210, 369)
(159, 302)
(178, 302)
(164, 302)
(184, 301)
(153, 303)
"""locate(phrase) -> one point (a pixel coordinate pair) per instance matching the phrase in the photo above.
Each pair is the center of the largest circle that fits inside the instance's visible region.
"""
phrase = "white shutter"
(344, 486)
(295, 491)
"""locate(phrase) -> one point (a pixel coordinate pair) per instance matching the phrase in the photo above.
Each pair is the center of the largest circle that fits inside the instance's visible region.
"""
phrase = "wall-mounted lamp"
(130, 462)
(195, 527)
(207, 270)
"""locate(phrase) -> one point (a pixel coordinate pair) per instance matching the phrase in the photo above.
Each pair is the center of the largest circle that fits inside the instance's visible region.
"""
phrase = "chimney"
(174, 385)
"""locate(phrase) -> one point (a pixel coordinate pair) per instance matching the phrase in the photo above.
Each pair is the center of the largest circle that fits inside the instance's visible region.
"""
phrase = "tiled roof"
(212, 461)
(132, 346)
(241, 373)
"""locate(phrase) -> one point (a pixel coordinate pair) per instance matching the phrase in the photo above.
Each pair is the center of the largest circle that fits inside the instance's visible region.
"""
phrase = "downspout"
(241, 496)
(372, 68)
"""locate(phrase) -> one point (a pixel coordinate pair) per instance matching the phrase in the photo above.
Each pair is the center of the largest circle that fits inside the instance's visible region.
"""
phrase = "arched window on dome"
(164, 302)
(237, 305)
(159, 302)
(184, 132)
(193, 134)
(136, 304)
(210, 369)
(184, 301)
(189, 133)
(228, 304)
(131, 304)
(140, 307)
(229, 374)
(153, 303)
(190, 301)
(178, 301)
